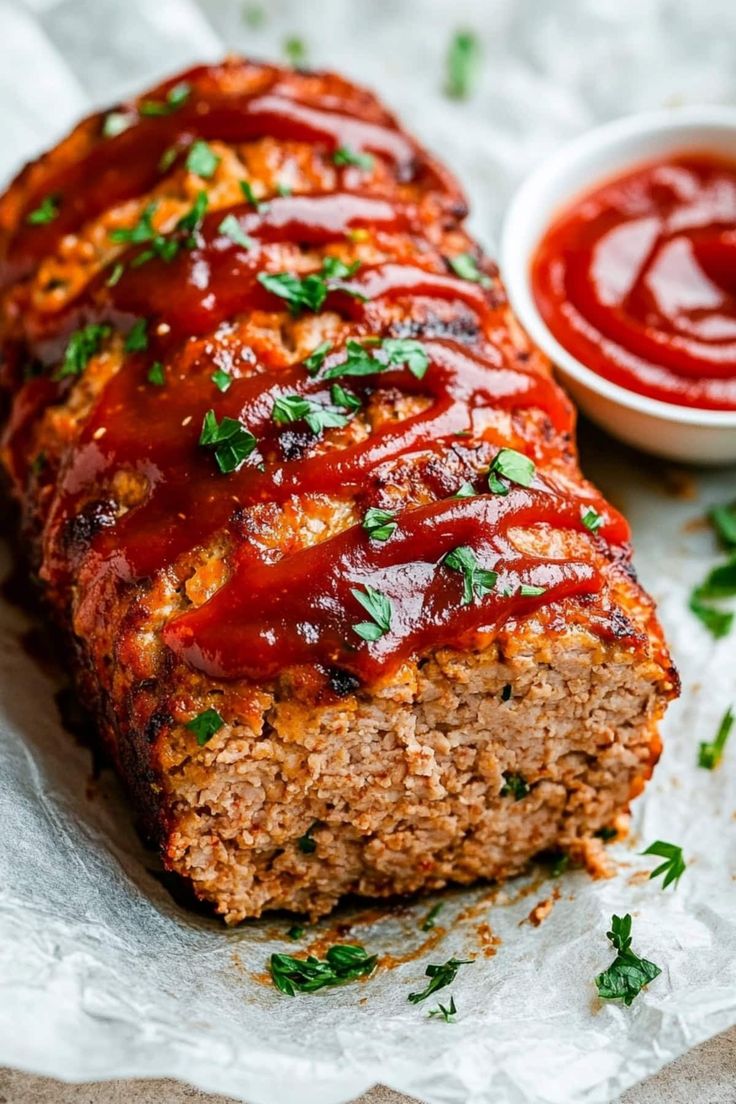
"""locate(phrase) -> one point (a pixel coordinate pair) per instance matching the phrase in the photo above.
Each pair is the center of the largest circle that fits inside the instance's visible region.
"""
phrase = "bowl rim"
(515, 266)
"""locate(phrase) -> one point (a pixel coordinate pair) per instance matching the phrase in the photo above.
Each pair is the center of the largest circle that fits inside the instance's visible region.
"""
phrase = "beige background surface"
(706, 1075)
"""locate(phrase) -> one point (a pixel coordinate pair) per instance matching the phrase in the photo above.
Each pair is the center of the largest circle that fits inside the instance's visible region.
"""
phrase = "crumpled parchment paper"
(102, 973)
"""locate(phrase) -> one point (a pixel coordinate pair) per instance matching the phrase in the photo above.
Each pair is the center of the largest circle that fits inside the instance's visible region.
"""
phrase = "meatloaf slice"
(307, 503)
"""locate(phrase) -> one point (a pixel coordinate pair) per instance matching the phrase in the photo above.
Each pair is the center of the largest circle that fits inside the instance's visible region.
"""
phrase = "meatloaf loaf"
(307, 504)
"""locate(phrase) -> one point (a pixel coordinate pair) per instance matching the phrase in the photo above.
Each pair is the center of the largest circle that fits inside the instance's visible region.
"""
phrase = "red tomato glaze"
(638, 281)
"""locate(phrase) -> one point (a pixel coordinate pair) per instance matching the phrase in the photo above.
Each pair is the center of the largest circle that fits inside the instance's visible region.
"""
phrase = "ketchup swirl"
(275, 611)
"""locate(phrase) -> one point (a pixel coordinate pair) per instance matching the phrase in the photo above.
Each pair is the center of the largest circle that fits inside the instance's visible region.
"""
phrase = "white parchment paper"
(102, 973)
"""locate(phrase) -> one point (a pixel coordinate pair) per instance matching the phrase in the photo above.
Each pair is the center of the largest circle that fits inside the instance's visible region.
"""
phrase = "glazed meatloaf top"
(270, 420)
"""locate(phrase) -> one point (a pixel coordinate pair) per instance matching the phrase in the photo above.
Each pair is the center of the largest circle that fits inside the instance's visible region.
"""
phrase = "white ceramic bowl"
(676, 432)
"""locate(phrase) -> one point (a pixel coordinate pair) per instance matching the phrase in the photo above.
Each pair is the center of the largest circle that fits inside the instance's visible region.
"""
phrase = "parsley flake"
(82, 346)
(115, 122)
(342, 397)
(528, 590)
(723, 520)
(283, 188)
(465, 490)
(445, 1011)
(591, 519)
(295, 51)
(628, 974)
(305, 843)
(296, 931)
(463, 58)
(345, 156)
(379, 524)
(116, 272)
(432, 916)
(176, 97)
(673, 866)
(515, 785)
(221, 380)
(710, 753)
(466, 267)
(232, 229)
(343, 962)
(137, 338)
(380, 609)
(167, 159)
(231, 442)
(508, 464)
(205, 725)
(316, 358)
(155, 374)
(201, 160)
(47, 211)
(247, 190)
(309, 292)
(406, 352)
(477, 580)
(318, 416)
(440, 976)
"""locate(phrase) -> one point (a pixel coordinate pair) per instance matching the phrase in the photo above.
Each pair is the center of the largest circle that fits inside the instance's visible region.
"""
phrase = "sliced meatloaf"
(307, 503)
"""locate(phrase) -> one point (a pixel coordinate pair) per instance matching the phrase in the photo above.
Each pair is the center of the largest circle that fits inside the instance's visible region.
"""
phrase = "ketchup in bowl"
(638, 280)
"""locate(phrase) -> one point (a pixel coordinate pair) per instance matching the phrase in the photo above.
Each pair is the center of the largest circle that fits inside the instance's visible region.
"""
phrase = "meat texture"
(240, 316)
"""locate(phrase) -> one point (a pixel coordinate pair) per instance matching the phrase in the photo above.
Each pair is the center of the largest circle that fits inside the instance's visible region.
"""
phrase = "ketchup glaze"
(637, 279)
(274, 611)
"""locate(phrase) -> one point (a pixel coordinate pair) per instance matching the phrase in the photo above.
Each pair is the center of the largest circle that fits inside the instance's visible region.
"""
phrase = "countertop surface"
(705, 1075)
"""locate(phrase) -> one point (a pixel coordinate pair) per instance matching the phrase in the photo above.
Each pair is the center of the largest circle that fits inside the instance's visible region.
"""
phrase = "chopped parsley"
(137, 338)
(560, 864)
(591, 519)
(445, 1011)
(440, 976)
(379, 524)
(296, 931)
(406, 352)
(628, 974)
(221, 380)
(389, 353)
(167, 159)
(510, 466)
(378, 607)
(673, 866)
(466, 267)
(305, 843)
(432, 916)
(247, 190)
(318, 416)
(156, 374)
(710, 753)
(283, 189)
(463, 58)
(115, 122)
(201, 160)
(309, 292)
(47, 211)
(723, 520)
(515, 785)
(176, 97)
(607, 834)
(82, 346)
(232, 229)
(345, 156)
(295, 51)
(316, 358)
(528, 590)
(477, 580)
(721, 580)
(116, 272)
(342, 397)
(465, 490)
(165, 246)
(343, 962)
(254, 15)
(230, 441)
(205, 725)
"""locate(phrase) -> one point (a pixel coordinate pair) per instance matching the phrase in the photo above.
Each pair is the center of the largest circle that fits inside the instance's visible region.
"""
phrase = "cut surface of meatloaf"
(307, 503)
